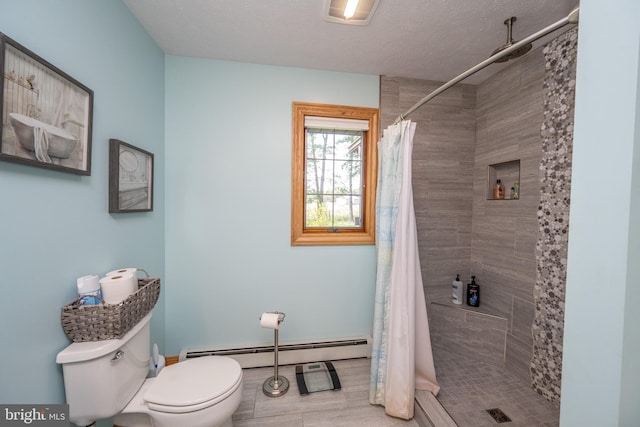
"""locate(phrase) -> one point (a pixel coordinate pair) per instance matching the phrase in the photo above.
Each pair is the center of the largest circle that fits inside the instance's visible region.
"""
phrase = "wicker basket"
(109, 321)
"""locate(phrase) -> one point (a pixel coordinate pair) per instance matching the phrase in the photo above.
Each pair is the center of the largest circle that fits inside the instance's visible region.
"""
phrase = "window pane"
(347, 177)
(333, 212)
(319, 211)
(319, 144)
(319, 177)
(347, 211)
(348, 146)
(333, 178)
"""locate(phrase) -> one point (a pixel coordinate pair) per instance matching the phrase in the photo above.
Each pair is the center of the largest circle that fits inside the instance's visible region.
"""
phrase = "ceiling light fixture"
(352, 12)
(350, 9)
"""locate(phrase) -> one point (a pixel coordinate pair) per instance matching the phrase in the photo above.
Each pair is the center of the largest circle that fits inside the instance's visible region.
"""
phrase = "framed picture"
(46, 114)
(130, 178)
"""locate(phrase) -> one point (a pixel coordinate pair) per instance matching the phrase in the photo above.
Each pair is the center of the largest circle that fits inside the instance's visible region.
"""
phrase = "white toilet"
(104, 379)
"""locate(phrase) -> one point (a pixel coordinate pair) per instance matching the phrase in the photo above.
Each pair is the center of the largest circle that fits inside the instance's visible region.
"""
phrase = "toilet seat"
(194, 384)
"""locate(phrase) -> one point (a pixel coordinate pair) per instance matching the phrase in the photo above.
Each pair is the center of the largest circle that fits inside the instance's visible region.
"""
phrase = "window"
(334, 172)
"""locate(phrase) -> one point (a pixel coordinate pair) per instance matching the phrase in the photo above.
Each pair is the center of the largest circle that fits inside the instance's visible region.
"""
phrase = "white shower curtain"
(401, 360)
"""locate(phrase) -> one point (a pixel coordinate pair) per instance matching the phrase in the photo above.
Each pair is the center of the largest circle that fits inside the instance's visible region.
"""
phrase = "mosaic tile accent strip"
(553, 214)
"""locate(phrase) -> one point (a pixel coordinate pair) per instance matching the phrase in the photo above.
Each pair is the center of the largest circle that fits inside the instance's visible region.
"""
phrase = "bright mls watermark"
(34, 415)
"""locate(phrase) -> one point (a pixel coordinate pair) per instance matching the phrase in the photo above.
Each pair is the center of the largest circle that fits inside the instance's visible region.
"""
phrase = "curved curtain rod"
(572, 18)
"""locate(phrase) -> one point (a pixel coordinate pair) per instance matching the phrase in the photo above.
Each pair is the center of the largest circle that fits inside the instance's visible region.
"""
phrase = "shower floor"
(469, 388)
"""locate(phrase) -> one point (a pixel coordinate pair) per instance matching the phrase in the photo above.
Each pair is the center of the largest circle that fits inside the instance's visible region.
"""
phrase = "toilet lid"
(193, 382)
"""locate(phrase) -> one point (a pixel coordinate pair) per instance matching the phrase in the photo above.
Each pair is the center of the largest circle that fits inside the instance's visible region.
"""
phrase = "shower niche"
(509, 175)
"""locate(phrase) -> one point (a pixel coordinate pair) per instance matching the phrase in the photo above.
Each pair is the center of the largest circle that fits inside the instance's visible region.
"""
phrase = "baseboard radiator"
(289, 353)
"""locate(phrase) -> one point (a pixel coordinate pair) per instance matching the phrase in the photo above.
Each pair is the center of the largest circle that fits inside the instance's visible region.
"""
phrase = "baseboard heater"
(289, 353)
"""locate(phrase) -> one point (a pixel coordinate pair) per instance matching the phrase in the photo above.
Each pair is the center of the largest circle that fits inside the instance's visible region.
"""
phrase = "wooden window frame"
(301, 236)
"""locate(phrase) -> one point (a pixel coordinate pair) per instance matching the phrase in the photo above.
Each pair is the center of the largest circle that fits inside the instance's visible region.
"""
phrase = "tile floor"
(468, 388)
(348, 407)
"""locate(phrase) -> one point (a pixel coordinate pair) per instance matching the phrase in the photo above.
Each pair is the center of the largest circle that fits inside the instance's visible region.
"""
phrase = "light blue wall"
(601, 364)
(228, 192)
(56, 226)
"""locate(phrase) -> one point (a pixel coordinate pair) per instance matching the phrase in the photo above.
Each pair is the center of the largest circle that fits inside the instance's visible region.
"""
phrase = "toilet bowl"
(202, 392)
(104, 379)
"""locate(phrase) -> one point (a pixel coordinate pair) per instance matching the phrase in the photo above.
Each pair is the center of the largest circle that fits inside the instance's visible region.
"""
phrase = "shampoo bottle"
(456, 295)
(473, 293)
(498, 190)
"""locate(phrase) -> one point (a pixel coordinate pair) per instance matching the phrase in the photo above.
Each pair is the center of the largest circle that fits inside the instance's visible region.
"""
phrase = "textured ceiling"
(425, 39)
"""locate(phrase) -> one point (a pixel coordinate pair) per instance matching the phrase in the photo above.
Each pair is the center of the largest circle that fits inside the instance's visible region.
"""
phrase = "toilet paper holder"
(277, 385)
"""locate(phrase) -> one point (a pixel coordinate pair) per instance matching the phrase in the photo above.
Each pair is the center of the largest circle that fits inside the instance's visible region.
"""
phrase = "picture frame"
(46, 114)
(130, 178)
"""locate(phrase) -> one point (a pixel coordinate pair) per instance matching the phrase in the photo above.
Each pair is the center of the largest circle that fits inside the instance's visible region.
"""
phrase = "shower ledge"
(485, 310)
(469, 333)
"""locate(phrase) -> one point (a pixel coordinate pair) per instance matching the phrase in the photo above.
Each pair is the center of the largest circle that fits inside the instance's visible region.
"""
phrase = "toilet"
(104, 379)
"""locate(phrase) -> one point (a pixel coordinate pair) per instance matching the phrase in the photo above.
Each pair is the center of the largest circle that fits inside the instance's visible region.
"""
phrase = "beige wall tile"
(459, 134)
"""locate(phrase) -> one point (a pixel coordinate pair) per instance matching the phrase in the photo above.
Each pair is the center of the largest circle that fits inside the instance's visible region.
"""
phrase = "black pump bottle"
(473, 293)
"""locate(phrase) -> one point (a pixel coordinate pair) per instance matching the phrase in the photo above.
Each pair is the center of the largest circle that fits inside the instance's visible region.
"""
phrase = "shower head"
(516, 53)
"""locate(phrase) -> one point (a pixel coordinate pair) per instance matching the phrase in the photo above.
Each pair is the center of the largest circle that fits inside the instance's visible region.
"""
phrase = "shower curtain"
(401, 359)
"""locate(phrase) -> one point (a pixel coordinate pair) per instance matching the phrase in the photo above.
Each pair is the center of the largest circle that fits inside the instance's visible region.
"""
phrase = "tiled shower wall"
(504, 233)
(442, 174)
(458, 135)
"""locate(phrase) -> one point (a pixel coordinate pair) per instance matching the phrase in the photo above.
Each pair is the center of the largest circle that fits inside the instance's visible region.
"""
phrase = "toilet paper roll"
(121, 271)
(270, 320)
(115, 289)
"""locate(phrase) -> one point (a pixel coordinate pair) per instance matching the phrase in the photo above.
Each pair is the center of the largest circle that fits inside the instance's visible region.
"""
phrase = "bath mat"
(317, 376)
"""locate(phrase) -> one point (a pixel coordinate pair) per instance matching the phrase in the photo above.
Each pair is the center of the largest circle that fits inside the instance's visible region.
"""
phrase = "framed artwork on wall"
(130, 178)
(46, 114)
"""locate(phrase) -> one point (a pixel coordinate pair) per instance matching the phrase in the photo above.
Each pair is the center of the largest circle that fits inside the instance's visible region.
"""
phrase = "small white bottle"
(456, 295)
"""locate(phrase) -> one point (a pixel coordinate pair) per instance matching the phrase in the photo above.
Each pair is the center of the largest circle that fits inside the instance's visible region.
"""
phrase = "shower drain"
(498, 415)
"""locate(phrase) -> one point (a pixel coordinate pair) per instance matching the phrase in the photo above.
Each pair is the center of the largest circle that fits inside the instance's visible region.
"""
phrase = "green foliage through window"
(333, 178)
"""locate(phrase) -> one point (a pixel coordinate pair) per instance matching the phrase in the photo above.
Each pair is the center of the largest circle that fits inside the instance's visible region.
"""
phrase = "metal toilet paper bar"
(276, 385)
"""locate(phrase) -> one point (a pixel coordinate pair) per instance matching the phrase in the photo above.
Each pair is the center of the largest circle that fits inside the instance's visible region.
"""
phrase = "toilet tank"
(101, 377)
